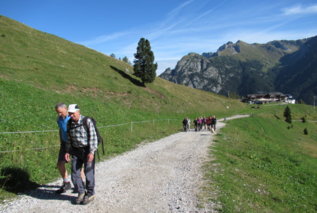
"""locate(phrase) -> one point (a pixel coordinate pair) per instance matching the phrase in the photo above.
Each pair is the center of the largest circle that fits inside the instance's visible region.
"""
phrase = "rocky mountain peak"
(243, 68)
(229, 48)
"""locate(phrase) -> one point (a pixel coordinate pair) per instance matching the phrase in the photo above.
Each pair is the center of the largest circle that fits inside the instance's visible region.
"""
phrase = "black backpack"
(100, 139)
(85, 125)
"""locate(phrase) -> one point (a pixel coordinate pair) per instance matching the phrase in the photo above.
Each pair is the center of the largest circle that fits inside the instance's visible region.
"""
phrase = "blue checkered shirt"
(79, 137)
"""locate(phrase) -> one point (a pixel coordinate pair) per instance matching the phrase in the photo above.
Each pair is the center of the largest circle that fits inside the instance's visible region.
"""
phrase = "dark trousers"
(89, 168)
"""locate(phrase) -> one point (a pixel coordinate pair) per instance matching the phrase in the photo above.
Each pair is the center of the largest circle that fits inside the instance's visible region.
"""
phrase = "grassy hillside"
(262, 166)
(37, 70)
(51, 63)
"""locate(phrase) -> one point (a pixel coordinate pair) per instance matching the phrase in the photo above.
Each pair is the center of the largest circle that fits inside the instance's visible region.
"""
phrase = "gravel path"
(163, 176)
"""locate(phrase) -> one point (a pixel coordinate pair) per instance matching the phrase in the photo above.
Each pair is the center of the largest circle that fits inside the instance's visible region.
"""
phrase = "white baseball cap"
(73, 108)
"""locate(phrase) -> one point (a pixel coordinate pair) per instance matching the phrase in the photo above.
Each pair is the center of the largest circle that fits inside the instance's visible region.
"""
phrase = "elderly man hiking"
(62, 120)
(82, 144)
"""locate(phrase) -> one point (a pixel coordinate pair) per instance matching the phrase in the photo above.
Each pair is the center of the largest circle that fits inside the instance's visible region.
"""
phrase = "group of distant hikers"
(79, 139)
(201, 123)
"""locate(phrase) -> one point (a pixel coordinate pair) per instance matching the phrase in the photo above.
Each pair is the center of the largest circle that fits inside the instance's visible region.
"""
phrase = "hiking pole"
(103, 148)
(98, 156)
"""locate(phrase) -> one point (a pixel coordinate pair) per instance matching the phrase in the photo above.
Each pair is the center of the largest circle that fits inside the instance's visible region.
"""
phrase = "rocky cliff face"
(239, 67)
(297, 72)
(195, 71)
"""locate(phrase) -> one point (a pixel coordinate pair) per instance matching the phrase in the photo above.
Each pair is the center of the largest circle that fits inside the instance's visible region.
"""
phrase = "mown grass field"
(262, 166)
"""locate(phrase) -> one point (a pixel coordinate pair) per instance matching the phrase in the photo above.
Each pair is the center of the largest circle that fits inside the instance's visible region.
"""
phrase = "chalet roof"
(266, 95)
(276, 93)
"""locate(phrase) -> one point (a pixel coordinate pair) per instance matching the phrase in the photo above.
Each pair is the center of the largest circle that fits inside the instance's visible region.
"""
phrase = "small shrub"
(303, 119)
(305, 131)
(288, 115)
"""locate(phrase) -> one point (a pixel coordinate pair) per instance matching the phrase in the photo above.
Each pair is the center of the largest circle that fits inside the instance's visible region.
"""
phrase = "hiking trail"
(161, 176)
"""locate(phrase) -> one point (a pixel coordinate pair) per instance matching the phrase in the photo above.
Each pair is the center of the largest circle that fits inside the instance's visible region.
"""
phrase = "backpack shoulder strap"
(85, 123)
(69, 123)
(69, 144)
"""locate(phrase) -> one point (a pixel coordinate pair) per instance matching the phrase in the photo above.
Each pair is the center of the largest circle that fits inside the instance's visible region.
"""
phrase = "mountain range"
(238, 69)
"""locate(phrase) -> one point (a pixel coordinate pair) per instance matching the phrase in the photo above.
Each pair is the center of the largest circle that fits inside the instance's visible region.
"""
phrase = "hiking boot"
(80, 198)
(66, 186)
(88, 199)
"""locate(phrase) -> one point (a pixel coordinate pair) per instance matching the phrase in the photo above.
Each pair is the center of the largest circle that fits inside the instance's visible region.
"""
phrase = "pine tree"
(126, 60)
(144, 66)
(288, 115)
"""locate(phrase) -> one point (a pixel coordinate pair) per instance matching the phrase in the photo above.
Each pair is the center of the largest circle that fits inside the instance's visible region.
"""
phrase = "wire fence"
(312, 121)
(30, 149)
(99, 127)
(27, 132)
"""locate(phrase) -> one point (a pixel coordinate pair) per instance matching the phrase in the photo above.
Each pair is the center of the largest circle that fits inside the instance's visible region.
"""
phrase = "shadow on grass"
(127, 76)
(17, 181)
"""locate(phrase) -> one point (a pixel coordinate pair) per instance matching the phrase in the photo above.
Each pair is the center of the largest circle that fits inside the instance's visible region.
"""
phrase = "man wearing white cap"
(82, 145)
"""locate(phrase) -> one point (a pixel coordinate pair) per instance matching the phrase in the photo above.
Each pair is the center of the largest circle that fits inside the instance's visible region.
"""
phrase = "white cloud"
(129, 39)
(197, 28)
(103, 38)
(176, 10)
(299, 9)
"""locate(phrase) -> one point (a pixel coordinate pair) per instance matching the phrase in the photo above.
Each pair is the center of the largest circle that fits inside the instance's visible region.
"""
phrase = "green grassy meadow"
(262, 166)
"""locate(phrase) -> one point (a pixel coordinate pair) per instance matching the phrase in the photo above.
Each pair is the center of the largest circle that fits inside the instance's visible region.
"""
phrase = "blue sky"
(174, 27)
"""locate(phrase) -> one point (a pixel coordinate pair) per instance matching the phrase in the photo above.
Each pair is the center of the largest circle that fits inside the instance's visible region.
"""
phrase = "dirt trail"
(163, 176)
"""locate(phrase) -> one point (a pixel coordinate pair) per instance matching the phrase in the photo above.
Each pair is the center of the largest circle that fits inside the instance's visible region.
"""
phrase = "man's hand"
(67, 157)
(90, 157)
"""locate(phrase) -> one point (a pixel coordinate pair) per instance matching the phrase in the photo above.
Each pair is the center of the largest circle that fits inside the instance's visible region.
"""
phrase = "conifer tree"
(126, 60)
(144, 66)
(288, 115)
